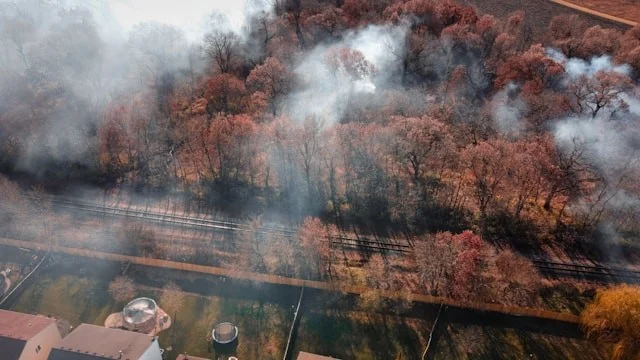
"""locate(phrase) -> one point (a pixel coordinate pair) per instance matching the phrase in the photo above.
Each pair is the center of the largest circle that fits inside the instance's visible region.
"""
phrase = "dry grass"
(626, 9)
(538, 12)
(466, 342)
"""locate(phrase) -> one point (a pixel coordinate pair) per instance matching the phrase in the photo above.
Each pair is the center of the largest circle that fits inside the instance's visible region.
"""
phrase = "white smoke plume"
(632, 102)
(95, 51)
(325, 92)
(609, 145)
(575, 67)
(611, 148)
(193, 17)
(508, 111)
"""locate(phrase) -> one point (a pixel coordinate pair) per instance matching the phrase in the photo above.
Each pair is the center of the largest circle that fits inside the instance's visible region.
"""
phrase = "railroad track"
(549, 268)
(359, 244)
(595, 272)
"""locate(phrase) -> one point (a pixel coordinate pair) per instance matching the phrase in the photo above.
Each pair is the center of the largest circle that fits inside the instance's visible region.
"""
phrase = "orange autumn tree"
(613, 319)
(316, 244)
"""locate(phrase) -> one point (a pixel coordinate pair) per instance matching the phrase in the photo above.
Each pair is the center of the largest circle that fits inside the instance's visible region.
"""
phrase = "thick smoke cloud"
(609, 145)
(73, 57)
(508, 111)
(193, 17)
(576, 67)
(326, 90)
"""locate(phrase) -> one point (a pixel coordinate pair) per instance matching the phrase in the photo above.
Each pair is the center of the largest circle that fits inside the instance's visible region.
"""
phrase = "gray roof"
(88, 342)
(10, 348)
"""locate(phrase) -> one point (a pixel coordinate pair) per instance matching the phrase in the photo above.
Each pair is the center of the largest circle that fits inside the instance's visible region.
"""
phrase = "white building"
(27, 337)
(90, 342)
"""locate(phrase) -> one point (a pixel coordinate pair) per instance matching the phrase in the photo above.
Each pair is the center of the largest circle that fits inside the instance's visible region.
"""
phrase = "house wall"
(46, 339)
(153, 352)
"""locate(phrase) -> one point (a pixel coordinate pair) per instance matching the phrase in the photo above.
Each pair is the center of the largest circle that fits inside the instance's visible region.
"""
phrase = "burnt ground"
(538, 13)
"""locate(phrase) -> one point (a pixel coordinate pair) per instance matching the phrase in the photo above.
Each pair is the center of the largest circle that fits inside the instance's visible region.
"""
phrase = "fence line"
(433, 330)
(294, 328)
(281, 280)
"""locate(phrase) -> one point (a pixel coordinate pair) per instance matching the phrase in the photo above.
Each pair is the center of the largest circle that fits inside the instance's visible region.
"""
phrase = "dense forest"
(387, 116)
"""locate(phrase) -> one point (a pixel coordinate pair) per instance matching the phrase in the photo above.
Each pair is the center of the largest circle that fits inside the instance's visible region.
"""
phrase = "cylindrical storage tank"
(140, 313)
(225, 338)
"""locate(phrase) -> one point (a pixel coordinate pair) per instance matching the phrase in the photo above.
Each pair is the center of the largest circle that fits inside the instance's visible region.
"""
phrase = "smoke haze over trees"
(419, 116)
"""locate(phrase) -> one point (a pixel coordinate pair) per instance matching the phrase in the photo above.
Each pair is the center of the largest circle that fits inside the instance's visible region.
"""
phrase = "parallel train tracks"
(548, 268)
(361, 244)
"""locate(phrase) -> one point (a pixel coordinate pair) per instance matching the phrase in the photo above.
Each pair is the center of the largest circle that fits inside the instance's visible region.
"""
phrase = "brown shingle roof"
(307, 356)
(96, 342)
(20, 326)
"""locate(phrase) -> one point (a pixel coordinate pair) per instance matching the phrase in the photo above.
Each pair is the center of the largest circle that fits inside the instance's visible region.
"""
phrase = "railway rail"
(596, 272)
(546, 267)
(361, 244)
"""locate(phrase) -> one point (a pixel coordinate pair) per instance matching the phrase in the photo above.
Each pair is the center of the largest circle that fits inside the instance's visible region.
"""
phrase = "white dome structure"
(140, 312)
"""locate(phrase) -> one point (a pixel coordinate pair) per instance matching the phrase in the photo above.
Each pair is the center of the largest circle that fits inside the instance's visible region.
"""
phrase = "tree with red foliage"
(597, 41)
(487, 172)
(629, 51)
(231, 142)
(360, 12)
(565, 33)
(272, 79)
(451, 13)
(316, 241)
(450, 265)
(533, 69)
(422, 146)
(224, 93)
(327, 24)
(469, 256)
(423, 10)
(526, 166)
(516, 280)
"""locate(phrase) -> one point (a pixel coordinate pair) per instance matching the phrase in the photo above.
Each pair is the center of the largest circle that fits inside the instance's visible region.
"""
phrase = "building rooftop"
(189, 357)
(14, 325)
(11, 348)
(95, 342)
(308, 356)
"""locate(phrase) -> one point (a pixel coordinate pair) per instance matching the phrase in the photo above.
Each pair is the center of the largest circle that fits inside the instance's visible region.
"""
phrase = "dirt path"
(539, 13)
(595, 12)
(280, 280)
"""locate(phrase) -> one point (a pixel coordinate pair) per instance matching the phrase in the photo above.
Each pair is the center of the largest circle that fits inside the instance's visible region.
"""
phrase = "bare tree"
(122, 289)
(171, 298)
(222, 48)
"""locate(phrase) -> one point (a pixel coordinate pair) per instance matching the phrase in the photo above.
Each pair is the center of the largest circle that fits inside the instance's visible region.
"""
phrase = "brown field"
(626, 9)
(539, 12)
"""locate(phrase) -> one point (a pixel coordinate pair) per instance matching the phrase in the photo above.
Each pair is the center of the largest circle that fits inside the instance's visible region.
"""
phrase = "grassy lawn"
(359, 336)
(489, 343)
(79, 293)
(263, 327)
